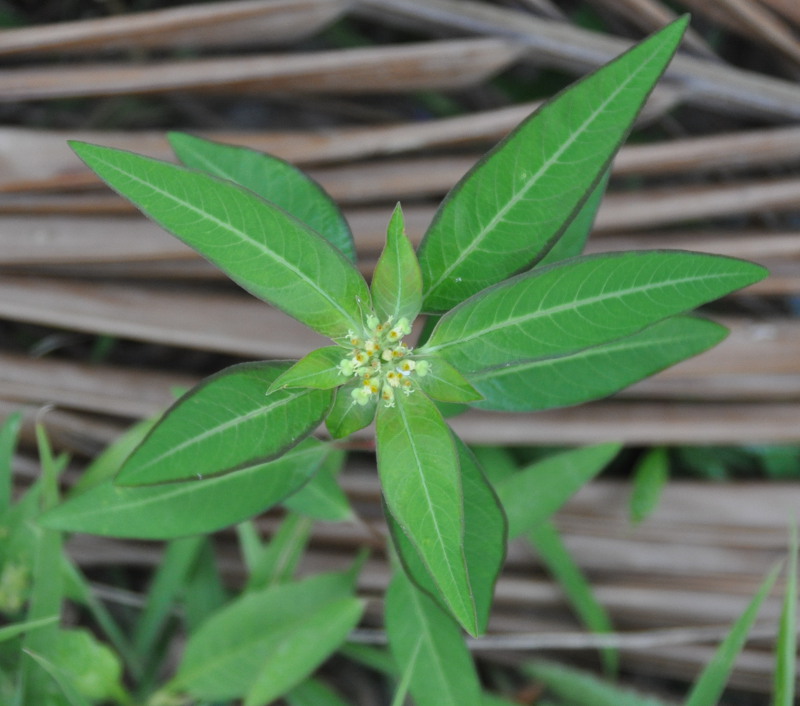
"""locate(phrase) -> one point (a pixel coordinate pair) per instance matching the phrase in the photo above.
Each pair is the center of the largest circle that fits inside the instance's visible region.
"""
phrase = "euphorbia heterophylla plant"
(518, 320)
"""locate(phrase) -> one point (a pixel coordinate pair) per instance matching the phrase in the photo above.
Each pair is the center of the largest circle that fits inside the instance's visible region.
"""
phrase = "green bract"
(523, 322)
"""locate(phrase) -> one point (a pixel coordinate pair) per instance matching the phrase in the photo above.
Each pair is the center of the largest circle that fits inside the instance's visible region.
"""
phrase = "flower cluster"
(380, 360)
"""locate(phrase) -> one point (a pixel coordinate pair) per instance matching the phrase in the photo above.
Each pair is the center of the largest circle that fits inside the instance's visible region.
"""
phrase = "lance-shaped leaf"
(508, 210)
(224, 657)
(484, 539)
(581, 303)
(319, 369)
(172, 510)
(347, 415)
(588, 374)
(258, 245)
(274, 180)
(322, 497)
(421, 480)
(419, 630)
(444, 383)
(532, 495)
(397, 280)
(226, 423)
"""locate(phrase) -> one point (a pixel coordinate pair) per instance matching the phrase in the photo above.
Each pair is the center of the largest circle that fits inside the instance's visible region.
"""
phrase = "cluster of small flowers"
(379, 360)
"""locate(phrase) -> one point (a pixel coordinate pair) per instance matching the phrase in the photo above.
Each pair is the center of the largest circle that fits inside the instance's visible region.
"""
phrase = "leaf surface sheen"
(583, 302)
(514, 203)
(226, 423)
(421, 479)
(258, 245)
(273, 179)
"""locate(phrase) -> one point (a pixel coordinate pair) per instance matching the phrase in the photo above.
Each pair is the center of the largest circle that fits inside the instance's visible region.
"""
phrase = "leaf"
(485, 535)
(786, 650)
(278, 561)
(583, 302)
(559, 563)
(397, 281)
(581, 689)
(322, 498)
(274, 180)
(421, 632)
(9, 432)
(532, 495)
(421, 480)
(177, 509)
(64, 680)
(319, 369)
(509, 209)
(258, 245)
(312, 692)
(444, 383)
(348, 416)
(9, 632)
(559, 381)
(224, 424)
(303, 647)
(709, 686)
(224, 657)
(649, 479)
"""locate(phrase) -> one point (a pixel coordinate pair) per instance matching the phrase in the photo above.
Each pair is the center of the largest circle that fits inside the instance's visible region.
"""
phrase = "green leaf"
(558, 381)
(421, 479)
(581, 689)
(9, 432)
(484, 539)
(226, 423)
(532, 495)
(573, 239)
(278, 561)
(64, 679)
(420, 631)
(274, 180)
(560, 564)
(9, 632)
(786, 650)
(444, 383)
(397, 280)
(319, 369)
(224, 657)
(312, 692)
(348, 416)
(177, 509)
(322, 498)
(258, 245)
(538, 176)
(649, 479)
(709, 686)
(583, 302)
(303, 647)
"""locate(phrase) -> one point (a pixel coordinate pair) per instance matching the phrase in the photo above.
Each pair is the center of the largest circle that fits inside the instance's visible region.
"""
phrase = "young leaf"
(539, 175)
(444, 383)
(556, 557)
(531, 384)
(421, 480)
(258, 245)
(274, 180)
(709, 686)
(301, 648)
(786, 650)
(484, 539)
(649, 479)
(397, 281)
(226, 423)
(224, 657)
(178, 509)
(278, 561)
(420, 631)
(347, 415)
(583, 302)
(319, 369)
(532, 495)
